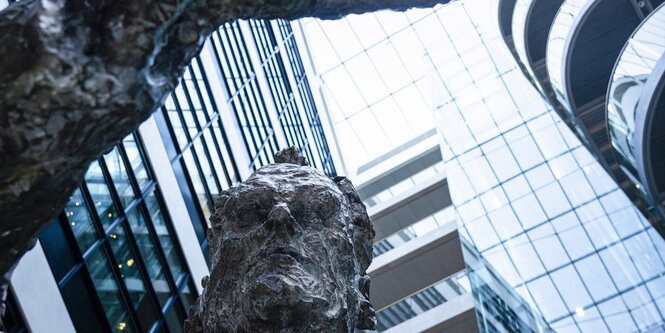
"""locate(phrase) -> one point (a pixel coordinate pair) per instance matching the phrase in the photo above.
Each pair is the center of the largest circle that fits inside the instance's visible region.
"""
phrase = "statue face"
(284, 253)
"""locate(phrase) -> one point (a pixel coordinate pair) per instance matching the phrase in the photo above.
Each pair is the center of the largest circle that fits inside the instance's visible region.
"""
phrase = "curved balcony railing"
(520, 16)
(557, 44)
(634, 66)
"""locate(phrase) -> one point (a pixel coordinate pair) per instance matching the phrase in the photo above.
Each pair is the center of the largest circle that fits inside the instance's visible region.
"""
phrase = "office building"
(530, 199)
(129, 251)
(581, 55)
(492, 214)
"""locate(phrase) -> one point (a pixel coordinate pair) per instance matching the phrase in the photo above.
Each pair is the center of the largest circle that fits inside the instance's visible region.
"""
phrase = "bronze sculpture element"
(290, 248)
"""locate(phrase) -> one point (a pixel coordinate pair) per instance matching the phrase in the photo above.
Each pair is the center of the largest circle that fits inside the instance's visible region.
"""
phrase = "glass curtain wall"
(374, 79)
(291, 104)
(113, 251)
(531, 200)
(197, 140)
(197, 146)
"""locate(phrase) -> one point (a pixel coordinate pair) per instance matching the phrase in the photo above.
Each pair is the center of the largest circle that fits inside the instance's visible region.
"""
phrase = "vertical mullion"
(201, 137)
(194, 157)
(229, 102)
(263, 115)
(211, 124)
(124, 224)
(244, 92)
(204, 78)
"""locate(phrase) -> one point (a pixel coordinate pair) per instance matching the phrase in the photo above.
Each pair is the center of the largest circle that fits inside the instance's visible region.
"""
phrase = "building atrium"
(507, 151)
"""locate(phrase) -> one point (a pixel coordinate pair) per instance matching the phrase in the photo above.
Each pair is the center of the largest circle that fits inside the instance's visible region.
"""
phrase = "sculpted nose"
(280, 219)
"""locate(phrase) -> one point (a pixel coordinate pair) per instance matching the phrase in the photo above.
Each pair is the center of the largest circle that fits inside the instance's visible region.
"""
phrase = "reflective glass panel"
(120, 177)
(148, 250)
(136, 160)
(101, 195)
(109, 292)
(80, 221)
(165, 237)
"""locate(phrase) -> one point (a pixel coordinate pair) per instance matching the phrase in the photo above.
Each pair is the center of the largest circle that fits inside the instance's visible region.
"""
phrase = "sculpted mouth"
(280, 254)
(286, 252)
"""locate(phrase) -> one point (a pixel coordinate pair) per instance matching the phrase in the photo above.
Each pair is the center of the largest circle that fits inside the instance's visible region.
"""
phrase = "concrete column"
(38, 295)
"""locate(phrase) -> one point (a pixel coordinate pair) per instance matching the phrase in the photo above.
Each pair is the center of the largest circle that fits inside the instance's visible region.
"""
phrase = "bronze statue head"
(290, 248)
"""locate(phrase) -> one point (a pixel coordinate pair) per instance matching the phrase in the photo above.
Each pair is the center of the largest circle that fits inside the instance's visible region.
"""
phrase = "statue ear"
(366, 314)
(362, 231)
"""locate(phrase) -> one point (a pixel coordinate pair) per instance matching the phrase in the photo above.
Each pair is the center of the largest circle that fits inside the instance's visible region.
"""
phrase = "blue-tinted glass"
(187, 297)
(525, 257)
(528, 211)
(174, 319)
(109, 292)
(127, 265)
(577, 189)
(590, 320)
(147, 248)
(539, 176)
(101, 195)
(526, 152)
(643, 310)
(618, 262)
(505, 222)
(553, 200)
(573, 291)
(547, 298)
(617, 315)
(136, 161)
(197, 182)
(482, 233)
(549, 247)
(516, 187)
(80, 221)
(595, 276)
(135, 282)
(573, 236)
(166, 239)
(118, 172)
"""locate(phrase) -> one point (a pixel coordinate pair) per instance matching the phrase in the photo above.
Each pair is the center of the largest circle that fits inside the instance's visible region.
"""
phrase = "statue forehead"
(288, 179)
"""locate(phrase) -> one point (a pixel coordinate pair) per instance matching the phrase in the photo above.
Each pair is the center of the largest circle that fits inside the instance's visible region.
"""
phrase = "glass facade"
(531, 201)
(257, 66)
(197, 145)
(113, 251)
(534, 203)
(373, 109)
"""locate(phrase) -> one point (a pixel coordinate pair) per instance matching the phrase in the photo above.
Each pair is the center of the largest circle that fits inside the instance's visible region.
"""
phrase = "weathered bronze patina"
(290, 248)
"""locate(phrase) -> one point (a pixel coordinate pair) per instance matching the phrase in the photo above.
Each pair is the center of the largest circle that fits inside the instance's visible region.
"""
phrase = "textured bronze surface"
(290, 248)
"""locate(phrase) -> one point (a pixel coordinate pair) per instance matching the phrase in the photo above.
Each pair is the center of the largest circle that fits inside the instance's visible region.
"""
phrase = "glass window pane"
(187, 296)
(166, 239)
(136, 160)
(120, 177)
(80, 221)
(175, 319)
(80, 304)
(101, 195)
(197, 182)
(148, 251)
(129, 272)
(109, 292)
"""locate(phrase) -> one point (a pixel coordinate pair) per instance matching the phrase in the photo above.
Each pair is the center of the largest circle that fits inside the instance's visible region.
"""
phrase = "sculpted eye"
(247, 216)
(255, 214)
